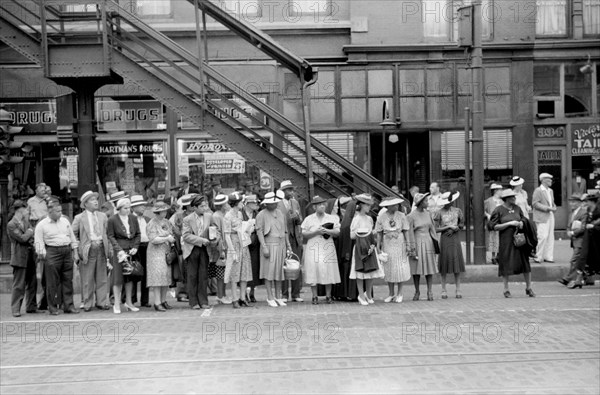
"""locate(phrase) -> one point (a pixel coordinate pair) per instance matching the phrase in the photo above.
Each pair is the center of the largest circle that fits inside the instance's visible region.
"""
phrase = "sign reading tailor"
(122, 115)
(550, 132)
(133, 148)
(227, 163)
(35, 118)
(585, 139)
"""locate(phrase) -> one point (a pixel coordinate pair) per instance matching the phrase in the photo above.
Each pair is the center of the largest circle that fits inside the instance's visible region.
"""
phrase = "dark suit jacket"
(293, 225)
(81, 229)
(117, 235)
(20, 242)
(577, 238)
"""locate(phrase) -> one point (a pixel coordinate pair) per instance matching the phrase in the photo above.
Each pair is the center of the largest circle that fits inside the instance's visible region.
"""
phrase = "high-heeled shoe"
(529, 292)
(458, 295)
(368, 299)
(417, 296)
(429, 296)
(131, 308)
(507, 294)
(166, 305)
(160, 307)
(281, 302)
(243, 303)
(117, 309)
(574, 284)
(252, 298)
(444, 295)
(315, 300)
(328, 300)
(362, 301)
(399, 298)
(236, 304)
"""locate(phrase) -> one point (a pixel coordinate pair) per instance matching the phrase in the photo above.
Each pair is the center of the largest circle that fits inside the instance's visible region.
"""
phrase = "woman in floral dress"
(392, 237)
(160, 236)
(238, 267)
(449, 220)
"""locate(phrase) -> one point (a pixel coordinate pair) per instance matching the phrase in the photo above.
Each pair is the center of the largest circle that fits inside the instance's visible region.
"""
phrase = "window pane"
(578, 92)
(497, 80)
(463, 101)
(412, 109)
(325, 86)
(309, 8)
(292, 110)
(354, 110)
(591, 16)
(464, 81)
(322, 111)
(353, 83)
(546, 80)
(551, 17)
(412, 82)
(292, 86)
(436, 16)
(439, 108)
(439, 81)
(153, 7)
(380, 82)
(376, 109)
(497, 107)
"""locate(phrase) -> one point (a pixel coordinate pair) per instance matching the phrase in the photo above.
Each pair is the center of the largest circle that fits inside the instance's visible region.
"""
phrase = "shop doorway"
(405, 157)
(552, 160)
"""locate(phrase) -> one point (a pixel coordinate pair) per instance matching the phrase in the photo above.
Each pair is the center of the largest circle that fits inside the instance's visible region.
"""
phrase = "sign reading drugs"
(226, 163)
(39, 117)
(121, 115)
(585, 139)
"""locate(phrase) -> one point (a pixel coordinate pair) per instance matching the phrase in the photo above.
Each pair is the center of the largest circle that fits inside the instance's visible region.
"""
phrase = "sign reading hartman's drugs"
(585, 139)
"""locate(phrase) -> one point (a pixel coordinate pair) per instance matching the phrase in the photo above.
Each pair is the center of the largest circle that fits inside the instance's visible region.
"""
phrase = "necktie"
(200, 224)
(95, 224)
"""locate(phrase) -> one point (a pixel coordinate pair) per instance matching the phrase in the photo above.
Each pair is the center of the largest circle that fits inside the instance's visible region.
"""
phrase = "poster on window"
(226, 163)
(585, 139)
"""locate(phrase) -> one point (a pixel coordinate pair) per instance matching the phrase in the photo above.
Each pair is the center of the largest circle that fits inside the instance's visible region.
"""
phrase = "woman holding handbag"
(508, 219)
(426, 245)
(160, 256)
(123, 232)
(238, 268)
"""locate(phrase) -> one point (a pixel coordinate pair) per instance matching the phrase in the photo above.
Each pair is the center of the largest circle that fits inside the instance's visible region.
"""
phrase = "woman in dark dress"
(249, 214)
(123, 232)
(346, 290)
(509, 219)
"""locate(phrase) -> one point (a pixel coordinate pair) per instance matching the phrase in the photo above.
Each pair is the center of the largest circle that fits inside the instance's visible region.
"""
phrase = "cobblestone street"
(483, 343)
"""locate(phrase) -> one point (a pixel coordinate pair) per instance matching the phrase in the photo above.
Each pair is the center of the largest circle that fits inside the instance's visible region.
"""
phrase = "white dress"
(362, 221)
(320, 256)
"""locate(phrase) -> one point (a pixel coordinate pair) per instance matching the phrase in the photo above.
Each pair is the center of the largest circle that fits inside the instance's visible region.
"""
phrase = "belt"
(65, 246)
(97, 242)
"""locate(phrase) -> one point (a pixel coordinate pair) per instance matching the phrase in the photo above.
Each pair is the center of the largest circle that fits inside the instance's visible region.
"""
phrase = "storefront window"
(578, 92)
(136, 167)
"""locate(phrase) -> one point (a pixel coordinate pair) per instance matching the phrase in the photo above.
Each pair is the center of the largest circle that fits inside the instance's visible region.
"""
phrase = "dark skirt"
(346, 289)
(255, 262)
(451, 258)
(511, 260)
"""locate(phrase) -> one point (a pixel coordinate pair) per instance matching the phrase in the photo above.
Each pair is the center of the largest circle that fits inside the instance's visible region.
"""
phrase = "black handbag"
(132, 267)
(519, 239)
(171, 255)
(436, 245)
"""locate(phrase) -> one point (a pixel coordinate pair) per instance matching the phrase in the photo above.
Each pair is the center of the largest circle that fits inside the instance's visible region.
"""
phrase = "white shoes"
(224, 300)
(362, 301)
(399, 298)
(389, 299)
(117, 309)
(369, 300)
(281, 302)
(272, 303)
(132, 308)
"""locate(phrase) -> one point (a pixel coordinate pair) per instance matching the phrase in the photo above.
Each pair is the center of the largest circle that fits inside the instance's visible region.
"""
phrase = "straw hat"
(365, 198)
(251, 199)
(495, 186)
(160, 207)
(516, 180)
(507, 193)
(545, 175)
(115, 196)
(138, 200)
(390, 201)
(287, 184)
(87, 195)
(186, 200)
(270, 198)
(448, 198)
(419, 197)
(220, 200)
(318, 200)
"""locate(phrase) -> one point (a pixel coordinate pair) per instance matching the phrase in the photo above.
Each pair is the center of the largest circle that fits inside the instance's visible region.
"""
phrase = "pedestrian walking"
(589, 263)
(237, 239)
(123, 232)
(489, 206)
(56, 246)
(365, 265)
(24, 285)
(392, 229)
(508, 219)
(449, 221)
(544, 208)
(290, 208)
(196, 240)
(218, 253)
(347, 289)
(160, 242)
(575, 231)
(271, 230)
(320, 259)
(249, 214)
(423, 263)
(95, 252)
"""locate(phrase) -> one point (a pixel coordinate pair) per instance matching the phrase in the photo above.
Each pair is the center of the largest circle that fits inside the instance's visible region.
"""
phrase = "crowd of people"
(212, 244)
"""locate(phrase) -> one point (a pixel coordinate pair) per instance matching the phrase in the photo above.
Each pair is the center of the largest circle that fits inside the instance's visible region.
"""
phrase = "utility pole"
(478, 118)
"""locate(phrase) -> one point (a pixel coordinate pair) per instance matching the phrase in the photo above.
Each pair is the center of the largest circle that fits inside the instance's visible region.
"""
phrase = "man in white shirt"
(90, 229)
(138, 206)
(434, 198)
(543, 216)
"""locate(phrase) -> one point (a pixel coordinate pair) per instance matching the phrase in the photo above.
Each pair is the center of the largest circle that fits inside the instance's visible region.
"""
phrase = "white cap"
(545, 175)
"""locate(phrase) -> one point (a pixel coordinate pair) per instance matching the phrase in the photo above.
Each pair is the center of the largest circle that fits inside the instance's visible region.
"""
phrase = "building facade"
(541, 94)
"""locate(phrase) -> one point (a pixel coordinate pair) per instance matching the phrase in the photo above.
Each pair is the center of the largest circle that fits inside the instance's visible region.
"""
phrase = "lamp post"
(387, 123)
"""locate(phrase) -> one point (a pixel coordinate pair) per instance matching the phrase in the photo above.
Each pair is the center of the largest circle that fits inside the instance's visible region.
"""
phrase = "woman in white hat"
(424, 261)
(123, 231)
(160, 242)
(320, 259)
(449, 221)
(272, 234)
(392, 238)
(238, 267)
(508, 219)
(521, 195)
(365, 250)
(489, 206)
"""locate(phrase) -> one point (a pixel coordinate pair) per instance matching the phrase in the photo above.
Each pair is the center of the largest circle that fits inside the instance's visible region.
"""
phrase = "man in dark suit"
(290, 207)
(184, 186)
(215, 189)
(20, 233)
(576, 231)
(171, 200)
